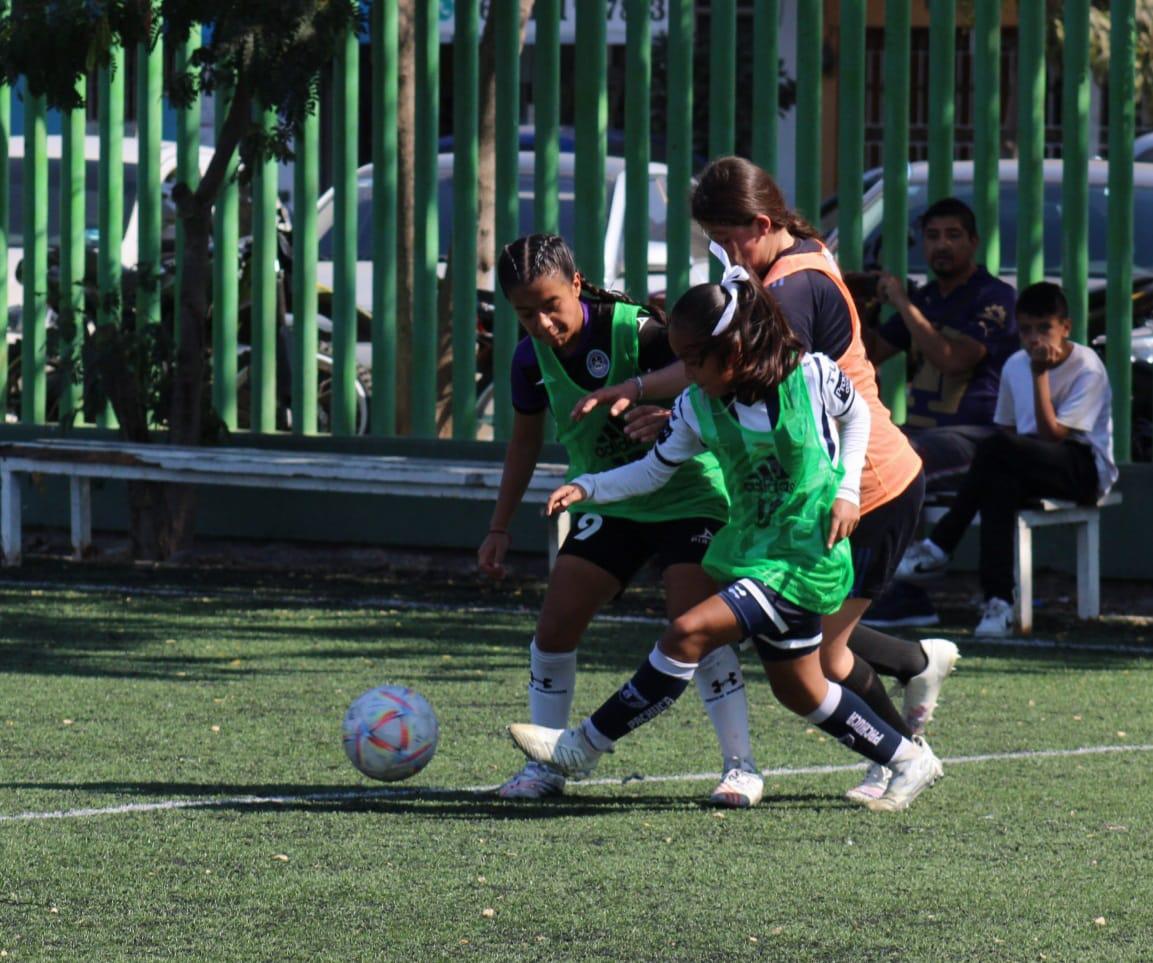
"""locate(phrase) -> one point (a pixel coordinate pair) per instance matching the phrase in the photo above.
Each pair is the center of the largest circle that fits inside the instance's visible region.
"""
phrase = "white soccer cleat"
(996, 620)
(923, 690)
(911, 777)
(566, 750)
(535, 781)
(739, 789)
(872, 787)
(922, 560)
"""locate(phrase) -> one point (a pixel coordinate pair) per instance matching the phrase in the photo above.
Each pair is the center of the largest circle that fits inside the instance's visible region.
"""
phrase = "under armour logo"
(719, 684)
(541, 683)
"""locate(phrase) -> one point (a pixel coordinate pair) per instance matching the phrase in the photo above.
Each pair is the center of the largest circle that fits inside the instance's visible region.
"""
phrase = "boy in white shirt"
(1054, 408)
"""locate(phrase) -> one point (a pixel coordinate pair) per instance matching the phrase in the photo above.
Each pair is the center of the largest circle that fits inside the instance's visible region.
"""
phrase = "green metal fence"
(323, 383)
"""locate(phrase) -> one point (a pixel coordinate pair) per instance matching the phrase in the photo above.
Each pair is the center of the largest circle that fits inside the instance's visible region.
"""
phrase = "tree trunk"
(486, 214)
(406, 155)
(163, 516)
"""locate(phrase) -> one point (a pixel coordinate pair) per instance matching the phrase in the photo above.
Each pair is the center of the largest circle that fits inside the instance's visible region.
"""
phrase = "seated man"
(1054, 408)
(958, 329)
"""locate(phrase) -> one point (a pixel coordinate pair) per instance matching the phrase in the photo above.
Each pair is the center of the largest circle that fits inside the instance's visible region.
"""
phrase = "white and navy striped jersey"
(842, 420)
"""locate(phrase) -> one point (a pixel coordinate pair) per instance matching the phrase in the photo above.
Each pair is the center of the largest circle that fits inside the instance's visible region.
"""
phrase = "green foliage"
(272, 48)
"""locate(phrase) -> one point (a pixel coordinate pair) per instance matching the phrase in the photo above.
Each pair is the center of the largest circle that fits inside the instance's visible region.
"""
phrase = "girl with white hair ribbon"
(790, 435)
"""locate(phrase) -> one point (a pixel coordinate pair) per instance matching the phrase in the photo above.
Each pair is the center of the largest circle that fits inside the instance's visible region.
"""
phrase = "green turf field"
(172, 787)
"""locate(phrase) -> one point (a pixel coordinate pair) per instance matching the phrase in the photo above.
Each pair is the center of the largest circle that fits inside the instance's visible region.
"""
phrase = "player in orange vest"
(741, 207)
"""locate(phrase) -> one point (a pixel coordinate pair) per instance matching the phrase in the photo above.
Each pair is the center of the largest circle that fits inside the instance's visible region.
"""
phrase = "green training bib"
(781, 485)
(597, 442)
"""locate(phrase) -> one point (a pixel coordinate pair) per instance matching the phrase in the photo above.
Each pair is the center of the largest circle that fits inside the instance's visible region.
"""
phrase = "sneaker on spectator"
(740, 788)
(911, 777)
(996, 619)
(534, 781)
(923, 559)
(566, 750)
(873, 786)
(903, 604)
(924, 689)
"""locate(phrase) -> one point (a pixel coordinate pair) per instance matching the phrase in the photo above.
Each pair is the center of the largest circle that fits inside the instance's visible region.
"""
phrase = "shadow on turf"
(400, 800)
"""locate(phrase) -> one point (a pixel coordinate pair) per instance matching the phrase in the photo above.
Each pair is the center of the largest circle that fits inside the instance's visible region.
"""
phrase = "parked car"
(613, 266)
(1143, 148)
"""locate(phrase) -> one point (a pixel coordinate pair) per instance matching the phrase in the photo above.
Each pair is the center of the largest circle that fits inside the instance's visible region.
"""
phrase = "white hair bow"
(733, 274)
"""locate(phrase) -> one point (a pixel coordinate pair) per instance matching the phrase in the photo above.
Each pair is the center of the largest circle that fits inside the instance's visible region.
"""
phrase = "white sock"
(722, 689)
(552, 684)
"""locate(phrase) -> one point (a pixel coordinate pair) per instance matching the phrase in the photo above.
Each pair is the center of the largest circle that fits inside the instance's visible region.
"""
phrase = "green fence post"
(546, 108)
(942, 95)
(679, 134)
(187, 157)
(638, 89)
(1119, 293)
(591, 98)
(72, 193)
(385, 216)
(346, 108)
(1075, 165)
(426, 227)
(262, 278)
(305, 187)
(35, 276)
(810, 38)
(225, 284)
(766, 92)
(464, 215)
(987, 131)
(111, 207)
(895, 233)
(506, 221)
(1031, 146)
(149, 92)
(722, 77)
(851, 137)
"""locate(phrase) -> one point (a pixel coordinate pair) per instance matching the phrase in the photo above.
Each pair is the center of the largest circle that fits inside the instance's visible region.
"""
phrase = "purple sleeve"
(816, 311)
(895, 332)
(529, 396)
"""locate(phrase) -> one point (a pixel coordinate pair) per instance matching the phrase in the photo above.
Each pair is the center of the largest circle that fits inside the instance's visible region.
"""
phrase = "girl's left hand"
(563, 497)
(618, 397)
(843, 519)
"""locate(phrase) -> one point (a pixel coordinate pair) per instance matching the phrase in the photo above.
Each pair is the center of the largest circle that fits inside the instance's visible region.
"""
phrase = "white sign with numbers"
(615, 14)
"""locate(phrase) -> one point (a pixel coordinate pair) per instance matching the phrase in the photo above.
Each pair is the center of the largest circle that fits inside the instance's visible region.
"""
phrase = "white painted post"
(80, 510)
(10, 516)
(1023, 559)
(1089, 567)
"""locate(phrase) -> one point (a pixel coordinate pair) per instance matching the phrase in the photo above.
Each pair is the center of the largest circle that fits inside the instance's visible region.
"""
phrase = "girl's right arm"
(520, 460)
(679, 442)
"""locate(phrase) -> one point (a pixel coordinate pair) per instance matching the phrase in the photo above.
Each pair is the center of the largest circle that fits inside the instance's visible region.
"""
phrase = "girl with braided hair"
(579, 339)
(767, 411)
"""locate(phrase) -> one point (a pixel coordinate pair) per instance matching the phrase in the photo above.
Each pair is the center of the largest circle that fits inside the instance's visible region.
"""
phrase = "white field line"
(413, 605)
(354, 795)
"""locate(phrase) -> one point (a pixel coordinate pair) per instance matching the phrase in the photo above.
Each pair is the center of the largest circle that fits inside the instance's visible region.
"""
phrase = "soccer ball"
(390, 732)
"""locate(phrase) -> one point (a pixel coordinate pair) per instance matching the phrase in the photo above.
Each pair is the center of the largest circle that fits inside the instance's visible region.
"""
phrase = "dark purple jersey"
(982, 309)
(814, 306)
(587, 365)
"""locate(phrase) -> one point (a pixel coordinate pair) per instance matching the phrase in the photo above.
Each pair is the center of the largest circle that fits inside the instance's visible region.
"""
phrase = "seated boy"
(1054, 406)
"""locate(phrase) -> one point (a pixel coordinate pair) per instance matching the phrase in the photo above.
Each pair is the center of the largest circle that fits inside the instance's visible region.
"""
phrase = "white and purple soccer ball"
(390, 732)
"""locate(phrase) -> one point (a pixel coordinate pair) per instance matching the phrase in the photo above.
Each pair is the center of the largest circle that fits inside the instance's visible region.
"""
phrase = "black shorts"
(621, 546)
(881, 539)
(780, 629)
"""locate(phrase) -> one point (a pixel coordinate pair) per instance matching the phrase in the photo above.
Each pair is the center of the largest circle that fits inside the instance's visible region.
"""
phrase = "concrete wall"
(1126, 530)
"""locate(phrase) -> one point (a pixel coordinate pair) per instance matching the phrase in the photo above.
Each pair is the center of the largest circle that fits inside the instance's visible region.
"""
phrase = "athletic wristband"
(639, 382)
(498, 531)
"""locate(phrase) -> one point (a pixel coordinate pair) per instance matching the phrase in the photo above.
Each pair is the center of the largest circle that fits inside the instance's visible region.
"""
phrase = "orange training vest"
(891, 464)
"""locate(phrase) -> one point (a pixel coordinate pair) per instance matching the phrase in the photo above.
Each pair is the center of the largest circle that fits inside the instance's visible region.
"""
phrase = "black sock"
(898, 658)
(645, 696)
(864, 682)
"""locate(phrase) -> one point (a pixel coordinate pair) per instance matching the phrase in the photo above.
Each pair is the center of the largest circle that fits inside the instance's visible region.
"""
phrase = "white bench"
(82, 461)
(1049, 512)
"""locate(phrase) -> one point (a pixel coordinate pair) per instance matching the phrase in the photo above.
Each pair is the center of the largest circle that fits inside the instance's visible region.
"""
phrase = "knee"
(686, 638)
